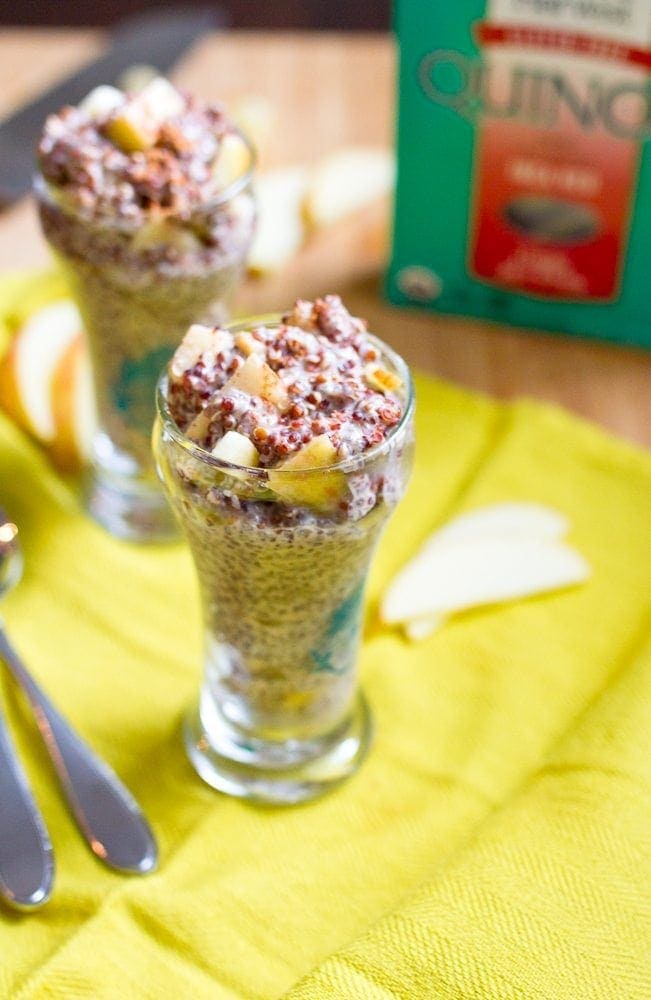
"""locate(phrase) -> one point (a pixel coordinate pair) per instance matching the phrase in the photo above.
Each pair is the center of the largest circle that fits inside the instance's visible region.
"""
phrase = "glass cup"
(138, 288)
(280, 717)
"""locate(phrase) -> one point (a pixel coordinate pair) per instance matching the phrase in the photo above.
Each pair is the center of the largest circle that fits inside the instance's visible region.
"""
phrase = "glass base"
(129, 508)
(275, 773)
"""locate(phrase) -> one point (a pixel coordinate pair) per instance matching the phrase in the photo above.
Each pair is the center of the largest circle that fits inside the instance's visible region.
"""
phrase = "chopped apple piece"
(27, 369)
(247, 344)
(280, 228)
(160, 100)
(347, 181)
(256, 378)
(101, 102)
(199, 341)
(232, 161)
(471, 572)
(134, 127)
(135, 78)
(237, 449)
(130, 130)
(199, 426)
(168, 233)
(381, 379)
(309, 487)
(73, 407)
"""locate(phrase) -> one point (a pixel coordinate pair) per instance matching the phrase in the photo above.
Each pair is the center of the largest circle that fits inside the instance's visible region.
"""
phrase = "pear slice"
(309, 488)
(420, 628)
(27, 369)
(504, 520)
(73, 408)
(468, 573)
(346, 181)
(232, 161)
(256, 378)
(280, 230)
(101, 102)
(237, 449)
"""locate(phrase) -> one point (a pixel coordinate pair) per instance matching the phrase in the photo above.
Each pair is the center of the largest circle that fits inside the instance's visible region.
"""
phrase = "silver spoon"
(26, 856)
(107, 815)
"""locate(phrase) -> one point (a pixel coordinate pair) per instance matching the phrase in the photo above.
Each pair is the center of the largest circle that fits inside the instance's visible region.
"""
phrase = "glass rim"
(43, 190)
(354, 463)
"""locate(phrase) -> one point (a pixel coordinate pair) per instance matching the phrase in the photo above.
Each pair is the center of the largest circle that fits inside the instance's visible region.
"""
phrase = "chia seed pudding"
(146, 200)
(283, 446)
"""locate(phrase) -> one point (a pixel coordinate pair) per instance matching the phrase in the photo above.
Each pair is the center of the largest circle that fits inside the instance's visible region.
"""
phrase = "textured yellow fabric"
(494, 845)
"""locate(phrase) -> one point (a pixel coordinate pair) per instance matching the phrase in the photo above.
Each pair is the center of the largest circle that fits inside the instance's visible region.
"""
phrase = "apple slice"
(511, 520)
(28, 367)
(420, 628)
(309, 488)
(280, 228)
(237, 449)
(347, 181)
(232, 161)
(256, 378)
(73, 408)
(468, 573)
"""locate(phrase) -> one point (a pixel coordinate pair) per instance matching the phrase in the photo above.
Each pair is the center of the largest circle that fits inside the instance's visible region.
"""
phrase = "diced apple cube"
(198, 341)
(256, 378)
(101, 102)
(381, 379)
(237, 449)
(160, 100)
(247, 344)
(310, 488)
(130, 130)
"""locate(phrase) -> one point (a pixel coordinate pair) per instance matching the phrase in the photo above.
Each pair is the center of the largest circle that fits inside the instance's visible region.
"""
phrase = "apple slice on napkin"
(45, 383)
(495, 554)
(280, 230)
(346, 181)
(27, 369)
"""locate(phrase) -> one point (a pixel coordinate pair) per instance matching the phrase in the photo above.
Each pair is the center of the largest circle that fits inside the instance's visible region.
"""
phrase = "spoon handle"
(107, 815)
(26, 856)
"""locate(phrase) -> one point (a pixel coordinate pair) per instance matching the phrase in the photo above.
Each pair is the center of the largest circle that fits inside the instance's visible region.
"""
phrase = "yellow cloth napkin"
(495, 843)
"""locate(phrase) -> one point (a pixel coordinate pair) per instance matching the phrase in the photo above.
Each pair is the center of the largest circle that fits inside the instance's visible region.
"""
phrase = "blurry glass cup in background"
(138, 288)
(282, 568)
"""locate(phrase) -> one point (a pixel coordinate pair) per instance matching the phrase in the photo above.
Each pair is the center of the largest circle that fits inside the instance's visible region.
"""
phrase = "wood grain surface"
(327, 91)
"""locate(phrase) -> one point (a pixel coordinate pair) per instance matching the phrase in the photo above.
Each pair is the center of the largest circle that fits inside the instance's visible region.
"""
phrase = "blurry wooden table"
(329, 90)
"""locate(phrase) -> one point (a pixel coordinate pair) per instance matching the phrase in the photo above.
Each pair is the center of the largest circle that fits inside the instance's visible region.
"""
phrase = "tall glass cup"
(281, 571)
(138, 288)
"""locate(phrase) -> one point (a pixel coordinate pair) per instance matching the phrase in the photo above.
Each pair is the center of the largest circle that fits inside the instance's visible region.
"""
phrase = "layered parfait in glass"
(146, 200)
(284, 443)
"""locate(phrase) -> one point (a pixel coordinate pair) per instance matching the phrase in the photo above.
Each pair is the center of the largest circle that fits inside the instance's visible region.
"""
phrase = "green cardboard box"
(524, 174)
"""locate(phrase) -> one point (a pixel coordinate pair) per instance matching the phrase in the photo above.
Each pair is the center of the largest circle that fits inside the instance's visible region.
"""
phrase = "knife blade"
(154, 38)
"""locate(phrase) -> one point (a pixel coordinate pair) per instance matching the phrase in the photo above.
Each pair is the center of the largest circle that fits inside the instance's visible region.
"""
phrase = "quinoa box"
(524, 177)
